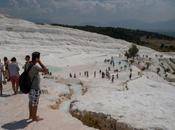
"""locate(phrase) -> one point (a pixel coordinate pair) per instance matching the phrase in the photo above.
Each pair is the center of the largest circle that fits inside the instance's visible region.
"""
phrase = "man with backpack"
(35, 91)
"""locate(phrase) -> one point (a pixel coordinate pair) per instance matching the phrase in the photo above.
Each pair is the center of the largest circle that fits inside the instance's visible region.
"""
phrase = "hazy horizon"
(150, 15)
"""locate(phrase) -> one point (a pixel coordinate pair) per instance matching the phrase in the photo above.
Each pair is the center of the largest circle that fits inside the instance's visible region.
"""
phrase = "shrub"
(132, 51)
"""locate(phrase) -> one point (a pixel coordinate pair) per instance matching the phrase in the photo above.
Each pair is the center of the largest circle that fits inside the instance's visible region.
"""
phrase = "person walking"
(130, 76)
(70, 75)
(112, 79)
(117, 75)
(13, 69)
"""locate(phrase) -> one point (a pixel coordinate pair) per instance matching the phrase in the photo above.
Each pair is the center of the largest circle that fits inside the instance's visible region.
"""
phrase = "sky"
(129, 13)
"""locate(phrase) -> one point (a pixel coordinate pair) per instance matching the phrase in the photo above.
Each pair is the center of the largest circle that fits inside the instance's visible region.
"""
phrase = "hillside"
(80, 93)
(159, 42)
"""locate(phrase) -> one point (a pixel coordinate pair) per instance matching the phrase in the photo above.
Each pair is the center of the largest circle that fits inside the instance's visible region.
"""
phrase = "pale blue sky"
(98, 12)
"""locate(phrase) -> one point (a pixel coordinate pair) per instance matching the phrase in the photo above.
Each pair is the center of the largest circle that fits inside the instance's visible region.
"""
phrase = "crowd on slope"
(110, 72)
(9, 72)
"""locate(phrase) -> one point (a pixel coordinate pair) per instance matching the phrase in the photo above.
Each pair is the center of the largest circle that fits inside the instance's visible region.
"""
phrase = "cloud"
(86, 11)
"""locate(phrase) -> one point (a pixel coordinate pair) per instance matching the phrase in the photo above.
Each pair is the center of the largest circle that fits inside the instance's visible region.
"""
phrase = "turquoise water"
(117, 60)
(55, 69)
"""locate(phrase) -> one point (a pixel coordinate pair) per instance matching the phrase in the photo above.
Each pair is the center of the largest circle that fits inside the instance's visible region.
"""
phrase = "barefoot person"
(13, 69)
(1, 75)
(35, 91)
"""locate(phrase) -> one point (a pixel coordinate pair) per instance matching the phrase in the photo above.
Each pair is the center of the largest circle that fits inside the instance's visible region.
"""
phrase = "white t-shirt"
(1, 71)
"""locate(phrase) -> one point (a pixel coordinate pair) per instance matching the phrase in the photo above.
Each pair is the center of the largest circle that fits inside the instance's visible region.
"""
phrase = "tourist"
(112, 61)
(112, 79)
(130, 69)
(94, 74)
(27, 59)
(100, 71)
(130, 76)
(6, 63)
(108, 75)
(117, 75)
(35, 91)
(103, 75)
(116, 70)
(13, 69)
(125, 67)
(75, 76)
(126, 86)
(139, 73)
(158, 70)
(1, 76)
(84, 73)
(70, 75)
(88, 74)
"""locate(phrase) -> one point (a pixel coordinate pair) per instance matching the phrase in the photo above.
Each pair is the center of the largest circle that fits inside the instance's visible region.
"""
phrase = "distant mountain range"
(166, 27)
(168, 33)
(157, 41)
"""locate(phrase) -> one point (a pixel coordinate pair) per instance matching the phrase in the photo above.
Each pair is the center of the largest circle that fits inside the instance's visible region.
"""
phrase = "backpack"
(25, 82)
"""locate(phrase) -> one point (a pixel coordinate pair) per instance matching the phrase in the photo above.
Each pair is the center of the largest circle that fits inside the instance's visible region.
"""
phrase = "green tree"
(162, 46)
(132, 52)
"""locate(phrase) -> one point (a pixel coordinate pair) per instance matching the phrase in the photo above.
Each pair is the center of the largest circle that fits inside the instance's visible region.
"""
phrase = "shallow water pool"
(55, 69)
(117, 60)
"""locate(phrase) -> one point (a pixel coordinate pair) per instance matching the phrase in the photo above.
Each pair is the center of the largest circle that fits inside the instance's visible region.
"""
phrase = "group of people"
(9, 71)
(107, 73)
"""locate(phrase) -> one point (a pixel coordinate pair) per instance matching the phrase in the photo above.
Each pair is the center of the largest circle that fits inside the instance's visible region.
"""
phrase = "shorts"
(14, 80)
(34, 96)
